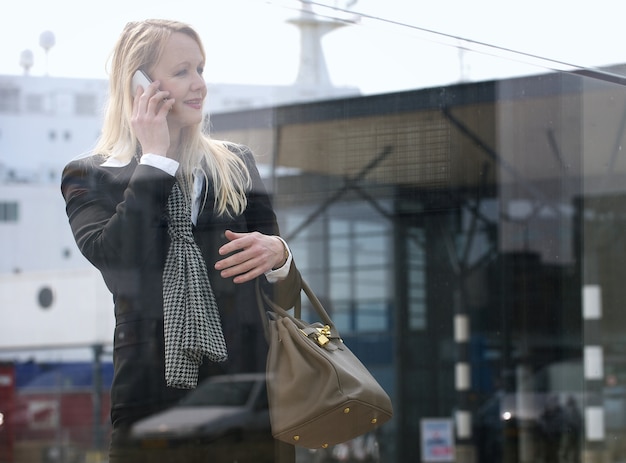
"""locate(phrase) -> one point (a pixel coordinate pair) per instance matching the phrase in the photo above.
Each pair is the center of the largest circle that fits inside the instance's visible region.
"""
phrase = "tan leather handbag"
(319, 393)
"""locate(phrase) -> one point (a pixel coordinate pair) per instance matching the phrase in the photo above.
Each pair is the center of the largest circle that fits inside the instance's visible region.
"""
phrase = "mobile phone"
(140, 78)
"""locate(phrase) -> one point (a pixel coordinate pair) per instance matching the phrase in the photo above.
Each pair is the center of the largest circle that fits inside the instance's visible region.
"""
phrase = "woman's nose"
(199, 83)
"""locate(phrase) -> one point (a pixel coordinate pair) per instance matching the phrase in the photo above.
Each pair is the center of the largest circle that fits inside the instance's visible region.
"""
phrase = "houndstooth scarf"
(191, 318)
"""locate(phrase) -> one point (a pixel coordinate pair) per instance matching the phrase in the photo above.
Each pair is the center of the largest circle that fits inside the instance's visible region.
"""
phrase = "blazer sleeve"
(116, 222)
(260, 217)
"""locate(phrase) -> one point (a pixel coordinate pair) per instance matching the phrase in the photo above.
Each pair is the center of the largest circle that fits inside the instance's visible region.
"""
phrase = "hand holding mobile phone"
(152, 133)
(140, 78)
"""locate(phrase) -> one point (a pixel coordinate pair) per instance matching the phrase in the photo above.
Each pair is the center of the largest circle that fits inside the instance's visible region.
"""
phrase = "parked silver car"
(230, 412)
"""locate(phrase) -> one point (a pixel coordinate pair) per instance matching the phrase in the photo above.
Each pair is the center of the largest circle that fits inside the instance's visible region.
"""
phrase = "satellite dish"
(47, 41)
(27, 59)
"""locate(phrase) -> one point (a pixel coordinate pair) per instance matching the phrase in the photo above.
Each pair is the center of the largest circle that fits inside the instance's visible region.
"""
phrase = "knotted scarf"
(192, 324)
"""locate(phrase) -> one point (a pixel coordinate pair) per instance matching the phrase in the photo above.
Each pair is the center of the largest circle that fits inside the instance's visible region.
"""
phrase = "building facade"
(468, 242)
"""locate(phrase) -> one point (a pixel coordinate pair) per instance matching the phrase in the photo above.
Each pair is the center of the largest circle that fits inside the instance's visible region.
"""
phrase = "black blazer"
(117, 218)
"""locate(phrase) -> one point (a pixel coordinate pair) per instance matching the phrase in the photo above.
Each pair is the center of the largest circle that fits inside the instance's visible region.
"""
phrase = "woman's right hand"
(149, 119)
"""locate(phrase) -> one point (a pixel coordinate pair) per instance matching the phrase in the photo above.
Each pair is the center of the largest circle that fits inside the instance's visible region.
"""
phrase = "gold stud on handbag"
(319, 393)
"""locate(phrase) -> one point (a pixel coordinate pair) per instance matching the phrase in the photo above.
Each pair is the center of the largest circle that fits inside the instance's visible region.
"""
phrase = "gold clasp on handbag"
(319, 333)
(324, 335)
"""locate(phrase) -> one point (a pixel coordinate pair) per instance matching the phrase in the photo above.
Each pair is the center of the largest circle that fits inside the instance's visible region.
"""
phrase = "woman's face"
(179, 72)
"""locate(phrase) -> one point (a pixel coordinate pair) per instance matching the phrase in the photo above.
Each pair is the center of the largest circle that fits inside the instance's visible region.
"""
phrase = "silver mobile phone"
(140, 78)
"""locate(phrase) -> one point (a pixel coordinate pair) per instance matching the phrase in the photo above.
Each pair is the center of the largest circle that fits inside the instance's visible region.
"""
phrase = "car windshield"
(224, 393)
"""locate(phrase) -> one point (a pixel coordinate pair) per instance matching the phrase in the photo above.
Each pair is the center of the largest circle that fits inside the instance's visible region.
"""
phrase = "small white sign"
(6, 380)
(437, 440)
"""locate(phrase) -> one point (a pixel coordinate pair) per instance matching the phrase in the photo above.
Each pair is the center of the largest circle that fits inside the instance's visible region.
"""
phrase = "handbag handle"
(263, 299)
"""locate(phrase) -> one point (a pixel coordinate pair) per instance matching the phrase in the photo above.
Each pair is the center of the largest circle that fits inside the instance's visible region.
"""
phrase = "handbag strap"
(263, 300)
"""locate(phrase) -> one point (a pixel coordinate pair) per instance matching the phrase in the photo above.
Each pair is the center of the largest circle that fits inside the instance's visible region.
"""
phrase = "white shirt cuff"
(160, 162)
(280, 273)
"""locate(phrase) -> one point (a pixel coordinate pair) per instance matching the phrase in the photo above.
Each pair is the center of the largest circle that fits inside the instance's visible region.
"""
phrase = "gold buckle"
(324, 337)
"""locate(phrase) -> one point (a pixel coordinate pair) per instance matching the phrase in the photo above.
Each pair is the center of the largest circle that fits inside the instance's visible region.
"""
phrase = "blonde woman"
(180, 227)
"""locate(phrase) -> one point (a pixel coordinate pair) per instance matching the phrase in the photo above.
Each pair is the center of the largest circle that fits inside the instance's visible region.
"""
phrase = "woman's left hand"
(249, 255)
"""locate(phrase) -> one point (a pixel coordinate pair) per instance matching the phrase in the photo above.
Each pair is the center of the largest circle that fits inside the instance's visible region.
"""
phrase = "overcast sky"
(250, 41)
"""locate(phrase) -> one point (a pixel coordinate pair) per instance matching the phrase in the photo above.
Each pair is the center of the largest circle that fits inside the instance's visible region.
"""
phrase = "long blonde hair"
(139, 47)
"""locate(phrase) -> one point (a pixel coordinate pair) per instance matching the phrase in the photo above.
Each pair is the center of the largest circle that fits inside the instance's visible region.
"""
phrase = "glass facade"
(466, 240)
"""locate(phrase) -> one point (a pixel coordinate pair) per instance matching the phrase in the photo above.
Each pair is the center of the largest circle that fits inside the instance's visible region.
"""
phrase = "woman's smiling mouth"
(195, 103)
